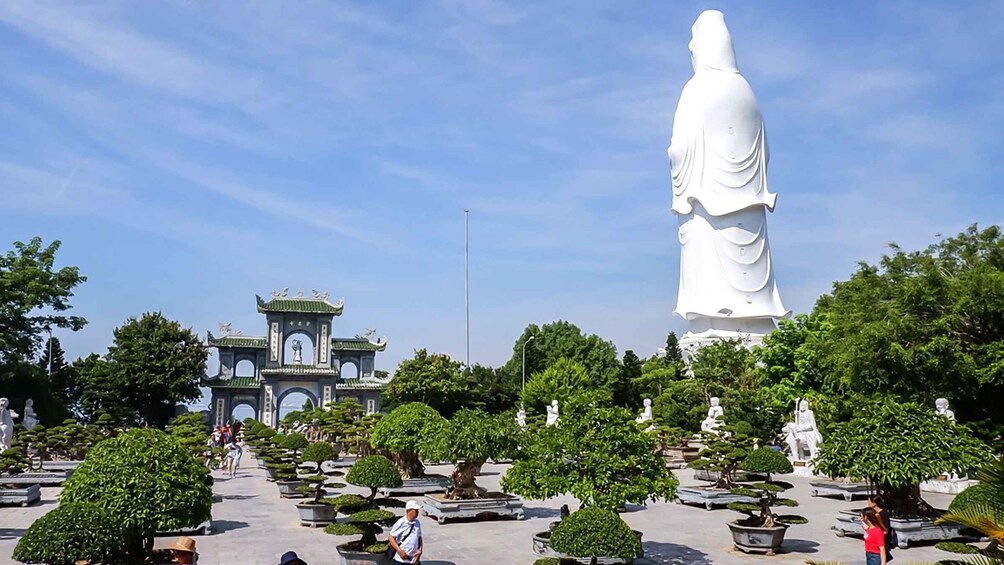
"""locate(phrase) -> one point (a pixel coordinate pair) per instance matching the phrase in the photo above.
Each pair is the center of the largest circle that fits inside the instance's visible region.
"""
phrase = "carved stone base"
(20, 496)
(824, 487)
(947, 486)
(802, 468)
(443, 509)
(710, 497)
(42, 478)
(905, 531)
(421, 485)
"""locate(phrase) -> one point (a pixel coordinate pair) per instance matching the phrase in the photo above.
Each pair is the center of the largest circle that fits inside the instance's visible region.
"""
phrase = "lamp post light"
(524, 358)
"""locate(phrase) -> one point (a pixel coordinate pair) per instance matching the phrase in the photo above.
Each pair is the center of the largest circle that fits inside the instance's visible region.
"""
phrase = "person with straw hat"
(183, 551)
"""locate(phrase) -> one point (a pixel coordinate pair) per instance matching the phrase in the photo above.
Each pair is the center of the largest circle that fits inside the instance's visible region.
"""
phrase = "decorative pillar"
(266, 412)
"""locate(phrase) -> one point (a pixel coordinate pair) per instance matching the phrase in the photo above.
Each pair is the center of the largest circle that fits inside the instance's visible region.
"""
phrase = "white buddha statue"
(6, 424)
(552, 414)
(521, 417)
(941, 409)
(30, 419)
(802, 435)
(718, 155)
(711, 423)
(646, 412)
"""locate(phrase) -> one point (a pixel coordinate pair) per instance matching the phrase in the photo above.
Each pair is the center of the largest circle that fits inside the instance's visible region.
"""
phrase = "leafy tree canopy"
(564, 340)
(562, 380)
(434, 379)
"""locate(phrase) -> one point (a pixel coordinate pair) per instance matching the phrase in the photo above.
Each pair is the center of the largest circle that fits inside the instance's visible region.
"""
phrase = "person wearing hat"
(290, 558)
(406, 536)
(183, 551)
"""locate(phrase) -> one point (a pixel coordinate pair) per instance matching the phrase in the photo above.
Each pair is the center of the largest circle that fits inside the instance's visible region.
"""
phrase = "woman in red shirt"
(874, 538)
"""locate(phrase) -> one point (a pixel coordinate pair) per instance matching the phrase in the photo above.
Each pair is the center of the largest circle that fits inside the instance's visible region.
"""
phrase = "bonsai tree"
(765, 461)
(980, 507)
(595, 533)
(294, 442)
(401, 433)
(191, 431)
(896, 447)
(724, 451)
(597, 454)
(317, 453)
(148, 481)
(12, 462)
(73, 533)
(468, 439)
(367, 519)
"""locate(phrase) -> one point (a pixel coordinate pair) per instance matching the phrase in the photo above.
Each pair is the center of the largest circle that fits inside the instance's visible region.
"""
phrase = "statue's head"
(647, 402)
(941, 404)
(803, 405)
(554, 403)
(714, 401)
(3, 403)
(29, 402)
(711, 44)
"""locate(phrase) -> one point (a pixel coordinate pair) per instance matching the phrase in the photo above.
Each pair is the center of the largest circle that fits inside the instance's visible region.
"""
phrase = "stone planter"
(710, 497)
(42, 478)
(754, 539)
(20, 496)
(350, 556)
(270, 474)
(679, 457)
(421, 485)
(947, 485)
(443, 509)
(542, 547)
(713, 476)
(848, 491)
(905, 530)
(314, 515)
(60, 465)
(287, 489)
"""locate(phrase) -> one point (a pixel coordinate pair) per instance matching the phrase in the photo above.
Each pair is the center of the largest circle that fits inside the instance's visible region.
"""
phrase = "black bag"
(390, 553)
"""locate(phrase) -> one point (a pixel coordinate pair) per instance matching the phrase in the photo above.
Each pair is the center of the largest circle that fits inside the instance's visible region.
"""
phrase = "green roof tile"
(237, 341)
(234, 382)
(356, 344)
(301, 305)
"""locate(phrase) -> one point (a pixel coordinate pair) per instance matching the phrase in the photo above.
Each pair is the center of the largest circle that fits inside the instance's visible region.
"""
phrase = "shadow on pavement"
(540, 512)
(800, 546)
(658, 552)
(222, 526)
(238, 496)
(11, 533)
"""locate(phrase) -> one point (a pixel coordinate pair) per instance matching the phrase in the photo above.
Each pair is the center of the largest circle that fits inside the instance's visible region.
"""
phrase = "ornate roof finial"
(367, 335)
(315, 293)
(299, 293)
(340, 303)
(275, 293)
(285, 291)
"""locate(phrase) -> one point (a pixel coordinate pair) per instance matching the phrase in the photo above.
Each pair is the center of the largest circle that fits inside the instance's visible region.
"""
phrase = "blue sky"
(190, 155)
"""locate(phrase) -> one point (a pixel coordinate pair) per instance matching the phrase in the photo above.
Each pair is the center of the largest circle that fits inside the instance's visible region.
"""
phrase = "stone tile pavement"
(253, 526)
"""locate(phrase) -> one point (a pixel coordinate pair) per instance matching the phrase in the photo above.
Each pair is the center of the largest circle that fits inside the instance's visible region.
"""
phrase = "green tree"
(564, 340)
(494, 390)
(434, 379)
(402, 431)
(624, 392)
(100, 390)
(660, 370)
(34, 297)
(467, 440)
(563, 379)
(152, 365)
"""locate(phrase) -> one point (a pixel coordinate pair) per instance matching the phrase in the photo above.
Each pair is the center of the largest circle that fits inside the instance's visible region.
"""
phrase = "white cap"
(413, 505)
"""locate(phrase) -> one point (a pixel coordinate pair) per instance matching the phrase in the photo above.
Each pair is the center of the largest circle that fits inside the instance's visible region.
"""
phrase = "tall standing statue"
(6, 424)
(552, 414)
(521, 417)
(718, 155)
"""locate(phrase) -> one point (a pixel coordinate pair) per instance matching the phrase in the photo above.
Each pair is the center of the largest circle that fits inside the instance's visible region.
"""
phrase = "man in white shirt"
(406, 536)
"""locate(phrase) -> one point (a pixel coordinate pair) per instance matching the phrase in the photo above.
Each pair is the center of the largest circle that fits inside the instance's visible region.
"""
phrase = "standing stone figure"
(646, 412)
(802, 435)
(711, 423)
(718, 155)
(30, 420)
(521, 417)
(6, 424)
(941, 409)
(297, 352)
(552, 414)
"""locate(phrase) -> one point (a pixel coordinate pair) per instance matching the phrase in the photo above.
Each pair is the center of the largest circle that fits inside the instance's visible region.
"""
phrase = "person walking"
(183, 551)
(233, 458)
(874, 538)
(405, 536)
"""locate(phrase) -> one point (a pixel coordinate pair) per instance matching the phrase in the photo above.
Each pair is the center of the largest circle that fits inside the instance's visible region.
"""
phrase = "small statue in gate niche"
(297, 352)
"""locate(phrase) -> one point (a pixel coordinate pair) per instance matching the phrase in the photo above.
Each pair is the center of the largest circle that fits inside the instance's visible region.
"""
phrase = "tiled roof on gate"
(253, 342)
(357, 344)
(299, 370)
(233, 382)
(301, 305)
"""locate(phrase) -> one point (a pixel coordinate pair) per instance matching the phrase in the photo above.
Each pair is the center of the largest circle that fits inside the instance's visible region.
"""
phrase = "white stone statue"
(712, 423)
(646, 412)
(297, 352)
(30, 419)
(941, 409)
(552, 414)
(521, 417)
(6, 424)
(718, 154)
(802, 435)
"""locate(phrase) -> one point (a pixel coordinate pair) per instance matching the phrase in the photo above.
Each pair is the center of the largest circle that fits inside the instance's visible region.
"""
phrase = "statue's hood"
(711, 46)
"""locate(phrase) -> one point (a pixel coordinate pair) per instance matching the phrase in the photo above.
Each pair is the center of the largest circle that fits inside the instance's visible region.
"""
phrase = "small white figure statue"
(711, 423)
(30, 420)
(297, 352)
(941, 409)
(802, 435)
(646, 412)
(6, 424)
(552, 414)
(521, 417)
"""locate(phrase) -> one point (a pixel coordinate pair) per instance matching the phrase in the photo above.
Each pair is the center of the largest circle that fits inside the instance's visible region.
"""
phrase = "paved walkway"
(254, 527)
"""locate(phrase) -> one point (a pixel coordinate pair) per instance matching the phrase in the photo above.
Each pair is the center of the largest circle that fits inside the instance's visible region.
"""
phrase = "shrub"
(294, 442)
(402, 431)
(317, 453)
(13, 461)
(957, 547)
(349, 503)
(724, 451)
(766, 460)
(70, 533)
(467, 440)
(373, 472)
(595, 532)
(147, 480)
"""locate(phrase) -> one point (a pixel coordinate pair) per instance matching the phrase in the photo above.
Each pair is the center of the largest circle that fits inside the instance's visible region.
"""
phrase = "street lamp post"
(524, 358)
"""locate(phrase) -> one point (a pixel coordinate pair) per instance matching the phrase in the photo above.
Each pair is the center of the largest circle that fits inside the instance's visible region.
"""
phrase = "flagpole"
(467, 299)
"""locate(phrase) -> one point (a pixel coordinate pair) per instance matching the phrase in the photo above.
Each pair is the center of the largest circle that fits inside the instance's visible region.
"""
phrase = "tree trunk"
(409, 464)
(906, 502)
(464, 486)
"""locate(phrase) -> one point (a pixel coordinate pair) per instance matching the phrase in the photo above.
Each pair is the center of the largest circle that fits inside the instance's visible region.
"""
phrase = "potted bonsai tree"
(597, 454)
(367, 520)
(895, 447)
(13, 463)
(591, 534)
(467, 440)
(316, 511)
(285, 468)
(401, 433)
(762, 531)
(724, 451)
(73, 533)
